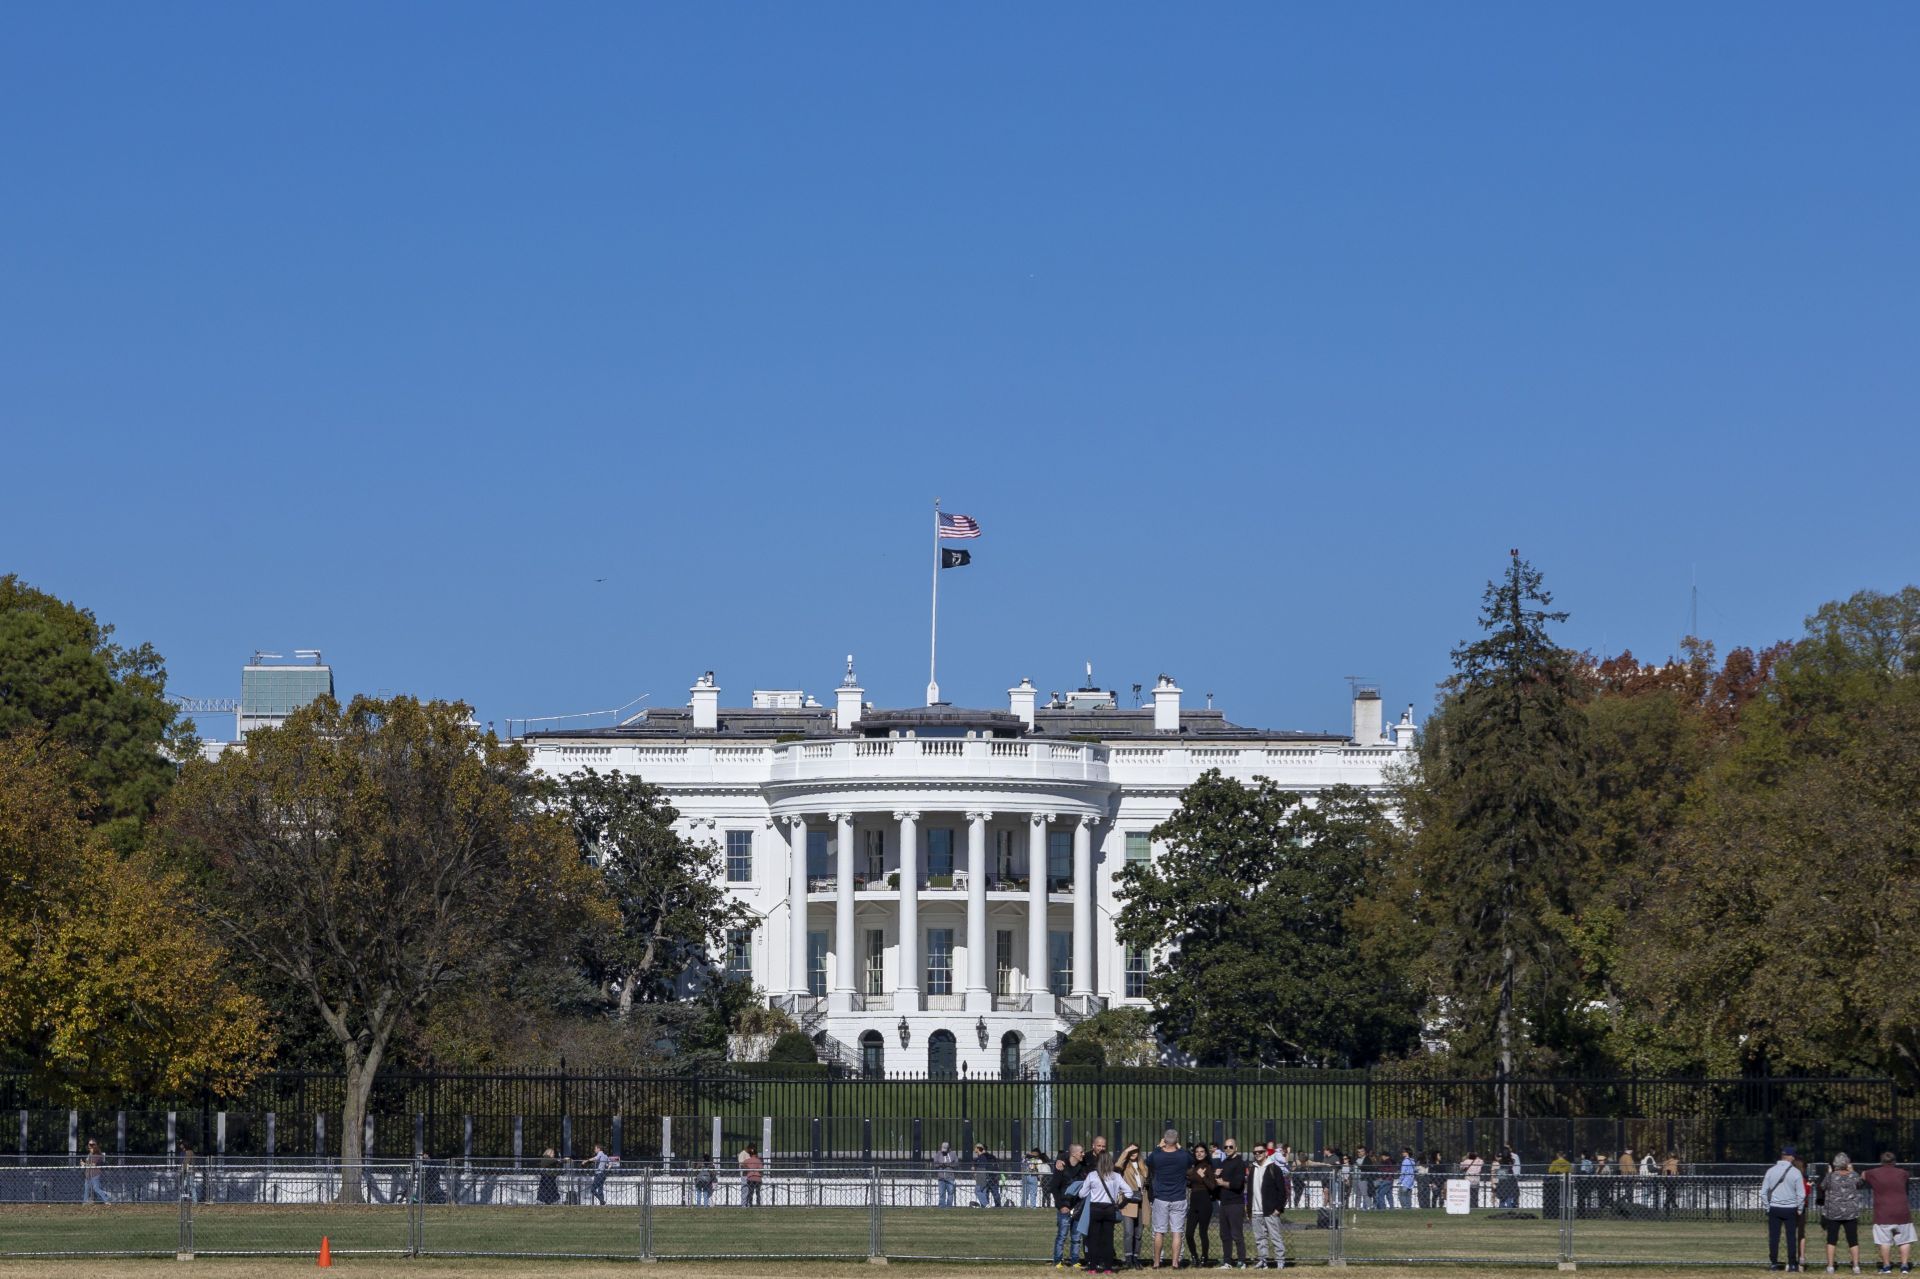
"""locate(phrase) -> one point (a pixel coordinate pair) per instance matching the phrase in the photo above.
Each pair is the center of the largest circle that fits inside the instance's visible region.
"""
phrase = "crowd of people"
(1163, 1207)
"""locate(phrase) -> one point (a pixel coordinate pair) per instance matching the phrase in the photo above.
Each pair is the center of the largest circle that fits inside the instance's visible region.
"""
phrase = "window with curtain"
(816, 963)
(939, 853)
(1139, 847)
(740, 952)
(1136, 985)
(1060, 857)
(939, 961)
(1060, 962)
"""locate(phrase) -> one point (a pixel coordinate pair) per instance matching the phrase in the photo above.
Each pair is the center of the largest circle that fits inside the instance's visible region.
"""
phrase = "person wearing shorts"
(1167, 1167)
(1892, 1213)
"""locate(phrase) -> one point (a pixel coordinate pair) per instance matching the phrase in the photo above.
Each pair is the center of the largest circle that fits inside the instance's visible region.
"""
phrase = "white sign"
(1459, 1196)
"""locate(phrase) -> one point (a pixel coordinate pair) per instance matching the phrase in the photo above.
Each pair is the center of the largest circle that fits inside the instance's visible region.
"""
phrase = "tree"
(1248, 913)
(675, 911)
(107, 984)
(61, 671)
(1493, 809)
(1798, 865)
(380, 858)
(1116, 1037)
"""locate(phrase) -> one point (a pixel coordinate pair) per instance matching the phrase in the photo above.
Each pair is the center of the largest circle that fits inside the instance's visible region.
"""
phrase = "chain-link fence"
(564, 1209)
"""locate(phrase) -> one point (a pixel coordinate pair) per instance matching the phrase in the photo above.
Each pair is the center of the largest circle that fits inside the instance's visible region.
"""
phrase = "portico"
(952, 909)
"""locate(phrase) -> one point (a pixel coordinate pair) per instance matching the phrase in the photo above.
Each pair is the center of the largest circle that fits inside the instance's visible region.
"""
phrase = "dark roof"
(1113, 723)
(816, 722)
(948, 718)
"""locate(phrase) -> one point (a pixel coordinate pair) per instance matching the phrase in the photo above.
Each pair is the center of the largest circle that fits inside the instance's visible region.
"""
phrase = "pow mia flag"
(955, 559)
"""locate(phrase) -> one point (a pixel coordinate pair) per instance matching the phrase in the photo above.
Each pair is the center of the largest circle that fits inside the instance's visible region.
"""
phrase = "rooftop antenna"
(314, 653)
(1209, 699)
(1089, 683)
(1136, 697)
(259, 656)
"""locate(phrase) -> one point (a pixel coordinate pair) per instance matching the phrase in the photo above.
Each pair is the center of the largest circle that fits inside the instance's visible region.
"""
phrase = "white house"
(934, 887)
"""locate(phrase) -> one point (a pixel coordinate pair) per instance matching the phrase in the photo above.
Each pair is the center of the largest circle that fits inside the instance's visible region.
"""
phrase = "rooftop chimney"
(846, 700)
(1020, 701)
(1367, 716)
(1403, 731)
(1166, 706)
(706, 702)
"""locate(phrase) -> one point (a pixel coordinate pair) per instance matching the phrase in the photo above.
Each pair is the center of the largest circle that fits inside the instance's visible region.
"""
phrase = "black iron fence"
(825, 1117)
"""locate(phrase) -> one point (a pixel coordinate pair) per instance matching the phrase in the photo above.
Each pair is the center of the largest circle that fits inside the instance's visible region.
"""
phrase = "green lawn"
(961, 1233)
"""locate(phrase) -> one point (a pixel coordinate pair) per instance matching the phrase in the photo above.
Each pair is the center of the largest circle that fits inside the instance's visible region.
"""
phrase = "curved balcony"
(938, 758)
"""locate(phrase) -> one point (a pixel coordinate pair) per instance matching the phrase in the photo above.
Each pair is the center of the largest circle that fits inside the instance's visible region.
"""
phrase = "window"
(942, 1055)
(940, 854)
(740, 952)
(876, 962)
(1059, 962)
(816, 964)
(1139, 847)
(740, 856)
(1010, 1055)
(1136, 987)
(1003, 854)
(817, 865)
(939, 961)
(1060, 856)
(1003, 962)
(876, 849)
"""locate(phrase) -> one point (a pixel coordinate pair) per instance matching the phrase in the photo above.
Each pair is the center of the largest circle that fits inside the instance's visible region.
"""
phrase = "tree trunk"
(353, 1133)
(1506, 1045)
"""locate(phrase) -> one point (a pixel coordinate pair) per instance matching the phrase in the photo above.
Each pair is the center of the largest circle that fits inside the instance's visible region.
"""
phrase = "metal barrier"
(555, 1209)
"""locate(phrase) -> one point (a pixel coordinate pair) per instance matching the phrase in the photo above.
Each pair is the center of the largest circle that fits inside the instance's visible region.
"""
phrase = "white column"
(840, 999)
(1037, 914)
(1083, 906)
(906, 987)
(979, 993)
(797, 906)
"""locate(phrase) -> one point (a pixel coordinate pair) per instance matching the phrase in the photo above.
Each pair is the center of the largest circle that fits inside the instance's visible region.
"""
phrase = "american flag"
(957, 526)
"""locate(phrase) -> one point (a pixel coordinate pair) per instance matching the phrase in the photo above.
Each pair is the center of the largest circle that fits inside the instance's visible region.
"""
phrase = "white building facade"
(934, 890)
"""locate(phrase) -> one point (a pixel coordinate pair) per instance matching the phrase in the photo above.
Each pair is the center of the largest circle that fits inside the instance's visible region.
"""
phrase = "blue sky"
(1252, 335)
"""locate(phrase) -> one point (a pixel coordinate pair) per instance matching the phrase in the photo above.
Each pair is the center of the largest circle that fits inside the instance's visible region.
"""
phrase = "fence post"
(184, 1250)
(120, 1135)
(1566, 1221)
(23, 1134)
(1337, 1207)
(646, 1215)
(272, 1134)
(73, 1135)
(876, 1246)
(416, 1213)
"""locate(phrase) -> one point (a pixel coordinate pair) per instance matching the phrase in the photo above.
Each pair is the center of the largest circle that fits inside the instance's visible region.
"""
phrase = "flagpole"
(933, 636)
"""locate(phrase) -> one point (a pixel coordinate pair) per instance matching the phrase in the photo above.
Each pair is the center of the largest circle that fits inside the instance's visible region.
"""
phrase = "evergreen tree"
(1494, 815)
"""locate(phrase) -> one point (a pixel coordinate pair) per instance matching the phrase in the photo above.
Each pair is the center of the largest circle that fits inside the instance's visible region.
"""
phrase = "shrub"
(792, 1048)
(1082, 1052)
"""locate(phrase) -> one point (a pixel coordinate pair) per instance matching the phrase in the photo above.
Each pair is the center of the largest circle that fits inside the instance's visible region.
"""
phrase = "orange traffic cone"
(326, 1252)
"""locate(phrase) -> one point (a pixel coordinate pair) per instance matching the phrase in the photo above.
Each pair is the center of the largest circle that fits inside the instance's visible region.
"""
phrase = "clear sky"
(1253, 335)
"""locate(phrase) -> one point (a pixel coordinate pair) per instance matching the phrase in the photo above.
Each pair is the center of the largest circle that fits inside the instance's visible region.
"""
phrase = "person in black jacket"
(1066, 1171)
(1233, 1205)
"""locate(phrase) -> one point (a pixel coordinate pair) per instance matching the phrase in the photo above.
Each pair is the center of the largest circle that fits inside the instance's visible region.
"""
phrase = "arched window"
(873, 1054)
(943, 1056)
(1010, 1055)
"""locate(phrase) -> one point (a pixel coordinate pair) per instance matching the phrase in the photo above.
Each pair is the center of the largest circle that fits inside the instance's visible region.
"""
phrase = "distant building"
(271, 689)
